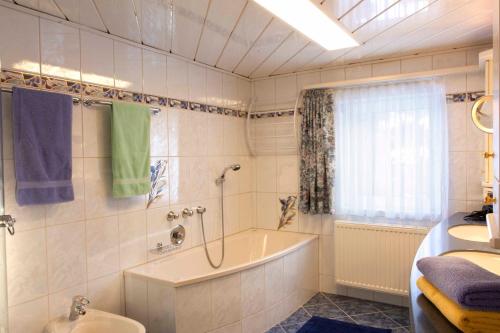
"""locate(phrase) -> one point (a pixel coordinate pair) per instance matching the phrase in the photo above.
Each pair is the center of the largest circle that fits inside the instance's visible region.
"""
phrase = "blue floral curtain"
(317, 153)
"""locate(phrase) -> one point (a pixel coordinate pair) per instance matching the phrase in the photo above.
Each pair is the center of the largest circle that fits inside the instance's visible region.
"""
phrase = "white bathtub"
(266, 275)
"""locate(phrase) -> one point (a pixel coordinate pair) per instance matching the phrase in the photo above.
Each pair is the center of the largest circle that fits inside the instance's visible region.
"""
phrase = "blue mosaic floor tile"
(387, 307)
(299, 316)
(400, 316)
(356, 307)
(338, 298)
(276, 329)
(401, 330)
(375, 320)
(318, 299)
(328, 310)
(292, 328)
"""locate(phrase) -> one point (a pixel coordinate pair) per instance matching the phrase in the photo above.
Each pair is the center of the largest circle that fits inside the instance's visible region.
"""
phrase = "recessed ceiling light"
(305, 17)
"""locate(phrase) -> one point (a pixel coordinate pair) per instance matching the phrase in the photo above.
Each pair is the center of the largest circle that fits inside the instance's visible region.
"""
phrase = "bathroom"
(246, 166)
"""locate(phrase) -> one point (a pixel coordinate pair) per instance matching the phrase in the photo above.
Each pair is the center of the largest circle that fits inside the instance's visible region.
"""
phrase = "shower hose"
(203, 232)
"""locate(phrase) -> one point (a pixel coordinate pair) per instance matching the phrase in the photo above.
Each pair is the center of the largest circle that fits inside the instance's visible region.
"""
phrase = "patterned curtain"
(317, 153)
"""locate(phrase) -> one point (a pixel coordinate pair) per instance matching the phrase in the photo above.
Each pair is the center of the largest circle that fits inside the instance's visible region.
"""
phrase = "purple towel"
(41, 125)
(469, 285)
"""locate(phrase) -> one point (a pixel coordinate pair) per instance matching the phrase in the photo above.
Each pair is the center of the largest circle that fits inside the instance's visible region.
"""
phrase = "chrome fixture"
(78, 307)
(172, 216)
(177, 235)
(201, 210)
(187, 212)
(7, 221)
(90, 102)
(222, 178)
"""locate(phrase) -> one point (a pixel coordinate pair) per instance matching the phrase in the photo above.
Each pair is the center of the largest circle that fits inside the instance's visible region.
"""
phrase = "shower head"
(234, 167)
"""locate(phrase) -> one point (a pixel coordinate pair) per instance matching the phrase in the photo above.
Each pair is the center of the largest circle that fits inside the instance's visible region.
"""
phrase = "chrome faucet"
(78, 307)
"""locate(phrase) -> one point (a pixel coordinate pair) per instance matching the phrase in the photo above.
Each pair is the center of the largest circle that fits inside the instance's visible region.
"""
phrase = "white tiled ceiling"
(240, 36)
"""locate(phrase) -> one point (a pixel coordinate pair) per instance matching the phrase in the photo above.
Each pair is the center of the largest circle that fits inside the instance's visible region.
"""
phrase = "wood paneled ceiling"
(241, 37)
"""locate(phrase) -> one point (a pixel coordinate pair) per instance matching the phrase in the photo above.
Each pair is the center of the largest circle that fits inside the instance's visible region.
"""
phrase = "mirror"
(482, 114)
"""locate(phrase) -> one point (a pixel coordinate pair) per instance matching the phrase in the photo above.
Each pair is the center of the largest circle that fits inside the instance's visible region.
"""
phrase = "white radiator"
(375, 257)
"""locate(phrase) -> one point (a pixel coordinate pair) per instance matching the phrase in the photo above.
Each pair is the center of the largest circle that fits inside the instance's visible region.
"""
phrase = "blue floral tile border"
(10, 78)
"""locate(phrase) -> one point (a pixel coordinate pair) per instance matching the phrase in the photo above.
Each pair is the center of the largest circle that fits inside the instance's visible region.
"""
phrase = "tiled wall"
(81, 247)
(277, 174)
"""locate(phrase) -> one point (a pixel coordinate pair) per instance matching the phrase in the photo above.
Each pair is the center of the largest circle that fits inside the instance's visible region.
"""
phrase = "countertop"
(424, 317)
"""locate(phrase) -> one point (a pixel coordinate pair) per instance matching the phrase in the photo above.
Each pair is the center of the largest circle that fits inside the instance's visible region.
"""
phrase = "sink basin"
(475, 233)
(488, 261)
(95, 321)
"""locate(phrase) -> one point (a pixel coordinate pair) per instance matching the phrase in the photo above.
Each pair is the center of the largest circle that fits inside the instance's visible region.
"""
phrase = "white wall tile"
(60, 50)
(214, 87)
(193, 308)
(102, 247)
(105, 293)
(264, 94)
(458, 174)
(154, 66)
(307, 79)
(230, 91)
(97, 59)
(133, 239)
(288, 173)
(128, 67)
(26, 266)
(197, 83)
(358, 72)
(253, 292)
(177, 78)
(332, 75)
(452, 59)
(457, 126)
(386, 68)
(98, 199)
(266, 212)
(266, 174)
(286, 91)
(274, 282)
(29, 317)
(226, 300)
(19, 48)
(66, 257)
(417, 64)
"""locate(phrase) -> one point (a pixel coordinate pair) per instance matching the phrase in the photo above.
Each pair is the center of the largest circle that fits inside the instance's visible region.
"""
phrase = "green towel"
(130, 149)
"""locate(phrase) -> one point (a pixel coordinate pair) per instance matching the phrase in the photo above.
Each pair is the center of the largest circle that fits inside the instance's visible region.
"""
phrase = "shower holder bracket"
(7, 221)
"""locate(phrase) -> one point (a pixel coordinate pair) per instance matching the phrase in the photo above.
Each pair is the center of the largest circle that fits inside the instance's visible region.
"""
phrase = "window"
(391, 151)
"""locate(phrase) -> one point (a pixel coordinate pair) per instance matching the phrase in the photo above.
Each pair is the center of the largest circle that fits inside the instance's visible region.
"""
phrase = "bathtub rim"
(308, 238)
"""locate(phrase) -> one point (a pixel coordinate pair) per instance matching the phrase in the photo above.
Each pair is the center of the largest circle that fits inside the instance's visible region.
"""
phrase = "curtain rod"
(395, 77)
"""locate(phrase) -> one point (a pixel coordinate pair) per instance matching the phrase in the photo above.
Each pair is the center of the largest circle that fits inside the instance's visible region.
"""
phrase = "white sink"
(95, 321)
(475, 233)
(488, 261)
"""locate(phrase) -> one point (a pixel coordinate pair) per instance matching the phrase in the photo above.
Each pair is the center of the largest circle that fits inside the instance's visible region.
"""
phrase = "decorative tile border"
(450, 98)
(10, 78)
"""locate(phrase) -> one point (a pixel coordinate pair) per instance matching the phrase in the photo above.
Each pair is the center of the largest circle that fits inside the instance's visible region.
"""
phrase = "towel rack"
(90, 102)
(76, 100)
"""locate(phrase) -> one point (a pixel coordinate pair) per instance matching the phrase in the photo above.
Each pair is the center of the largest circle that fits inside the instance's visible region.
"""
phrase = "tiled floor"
(348, 309)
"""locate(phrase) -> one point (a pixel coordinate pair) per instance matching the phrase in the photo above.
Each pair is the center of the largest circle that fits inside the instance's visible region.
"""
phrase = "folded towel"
(130, 125)
(464, 282)
(466, 320)
(41, 126)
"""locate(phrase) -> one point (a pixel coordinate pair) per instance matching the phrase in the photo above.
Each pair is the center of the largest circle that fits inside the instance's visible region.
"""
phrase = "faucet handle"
(172, 216)
(81, 300)
(187, 212)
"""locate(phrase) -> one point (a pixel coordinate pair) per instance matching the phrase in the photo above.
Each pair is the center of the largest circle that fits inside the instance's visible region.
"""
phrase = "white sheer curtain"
(392, 150)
